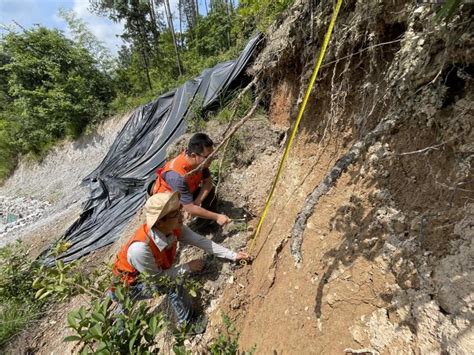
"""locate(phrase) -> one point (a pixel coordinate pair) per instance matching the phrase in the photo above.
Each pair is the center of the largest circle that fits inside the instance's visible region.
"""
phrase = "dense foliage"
(52, 87)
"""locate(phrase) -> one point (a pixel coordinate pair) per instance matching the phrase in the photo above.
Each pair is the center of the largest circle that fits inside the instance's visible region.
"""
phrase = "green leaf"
(105, 305)
(120, 295)
(72, 338)
(153, 324)
(82, 312)
(132, 342)
(448, 9)
(39, 292)
(98, 317)
(37, 282)
(71, 319)
(96, 331)
(60, 264)
(101, 346)
(192, 293)
(44, 295)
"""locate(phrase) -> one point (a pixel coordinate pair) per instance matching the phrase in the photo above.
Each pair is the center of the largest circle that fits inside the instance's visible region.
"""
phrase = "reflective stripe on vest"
(163, 259)
(181, 166)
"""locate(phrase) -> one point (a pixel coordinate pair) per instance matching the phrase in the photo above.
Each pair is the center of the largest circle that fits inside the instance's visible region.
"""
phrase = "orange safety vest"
(181, 166)
(163, 259)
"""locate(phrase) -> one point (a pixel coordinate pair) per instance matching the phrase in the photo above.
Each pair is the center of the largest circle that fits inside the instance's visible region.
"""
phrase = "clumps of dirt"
(454, 274)
(427, 246)
(257, 150)
(433, 298)
(382, 333)
(278, 48)
(284, 95)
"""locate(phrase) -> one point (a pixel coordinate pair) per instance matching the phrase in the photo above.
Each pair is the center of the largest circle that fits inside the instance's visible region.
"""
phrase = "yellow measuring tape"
(298, 119)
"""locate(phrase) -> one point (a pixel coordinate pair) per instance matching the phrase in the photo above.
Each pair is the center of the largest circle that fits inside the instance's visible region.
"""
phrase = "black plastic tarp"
(117, 185)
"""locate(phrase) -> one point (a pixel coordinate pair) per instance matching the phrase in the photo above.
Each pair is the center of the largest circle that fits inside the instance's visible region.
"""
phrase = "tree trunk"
(197, 10)
(227, 8)
(153, 20)
(147, 68)
(143, 44)
(171, 27)
(180, 4)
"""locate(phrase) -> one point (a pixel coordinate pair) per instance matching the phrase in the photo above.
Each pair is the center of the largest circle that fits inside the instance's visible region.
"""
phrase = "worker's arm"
(206, 187)
(190, 237)
(178, 183)
(198, 211)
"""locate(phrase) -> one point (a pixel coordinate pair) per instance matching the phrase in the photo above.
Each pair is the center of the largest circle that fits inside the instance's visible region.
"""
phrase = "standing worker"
(197, 191)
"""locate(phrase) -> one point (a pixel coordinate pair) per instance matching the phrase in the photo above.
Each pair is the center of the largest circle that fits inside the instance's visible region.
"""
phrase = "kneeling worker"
(197, 191)
(153, 249)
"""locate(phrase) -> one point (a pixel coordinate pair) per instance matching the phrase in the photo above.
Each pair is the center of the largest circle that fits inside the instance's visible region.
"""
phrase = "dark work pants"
(210, 202)
(180, 300)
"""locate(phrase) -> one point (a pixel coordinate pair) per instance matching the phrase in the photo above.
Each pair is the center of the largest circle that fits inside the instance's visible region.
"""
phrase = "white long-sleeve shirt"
(140, 256)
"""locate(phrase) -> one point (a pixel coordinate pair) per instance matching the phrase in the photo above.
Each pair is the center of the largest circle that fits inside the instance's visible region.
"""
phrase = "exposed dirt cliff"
(387, 258)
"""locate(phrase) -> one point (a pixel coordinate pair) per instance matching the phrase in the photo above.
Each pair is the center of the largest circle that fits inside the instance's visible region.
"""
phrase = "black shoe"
(196, 325)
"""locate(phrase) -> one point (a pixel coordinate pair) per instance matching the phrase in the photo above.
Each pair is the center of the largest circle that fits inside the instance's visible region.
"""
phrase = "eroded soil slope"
(387, 254)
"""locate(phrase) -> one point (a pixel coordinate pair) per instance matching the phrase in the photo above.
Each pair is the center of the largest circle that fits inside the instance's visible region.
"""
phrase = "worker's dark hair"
(198, 142)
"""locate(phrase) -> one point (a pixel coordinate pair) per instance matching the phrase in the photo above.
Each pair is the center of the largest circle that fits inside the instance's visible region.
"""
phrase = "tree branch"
(230, 134)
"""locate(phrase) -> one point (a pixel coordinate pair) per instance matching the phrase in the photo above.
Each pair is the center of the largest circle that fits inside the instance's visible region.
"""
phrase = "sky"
(27, 13)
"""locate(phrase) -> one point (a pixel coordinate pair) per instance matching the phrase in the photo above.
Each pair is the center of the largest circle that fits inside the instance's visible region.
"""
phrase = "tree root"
(312, 199)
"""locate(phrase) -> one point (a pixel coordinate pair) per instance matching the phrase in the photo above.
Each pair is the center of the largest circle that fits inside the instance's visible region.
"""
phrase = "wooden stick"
(230, 134)
(237, 102)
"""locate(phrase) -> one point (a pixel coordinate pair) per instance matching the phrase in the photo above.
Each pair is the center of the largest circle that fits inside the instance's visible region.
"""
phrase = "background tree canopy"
(52, 87)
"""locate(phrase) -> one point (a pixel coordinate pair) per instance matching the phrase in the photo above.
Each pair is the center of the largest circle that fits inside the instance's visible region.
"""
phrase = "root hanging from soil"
(342, 164)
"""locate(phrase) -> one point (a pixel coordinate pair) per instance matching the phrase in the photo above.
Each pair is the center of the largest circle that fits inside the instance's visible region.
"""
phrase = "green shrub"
(102, 330)
(228, 341)
(257, 14)
(99, 328)
(18, 305)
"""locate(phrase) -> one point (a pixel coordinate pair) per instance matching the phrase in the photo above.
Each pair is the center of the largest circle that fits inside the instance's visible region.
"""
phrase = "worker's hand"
(242, 256)
(196, 265)
(222, 219)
